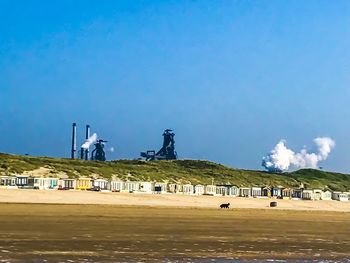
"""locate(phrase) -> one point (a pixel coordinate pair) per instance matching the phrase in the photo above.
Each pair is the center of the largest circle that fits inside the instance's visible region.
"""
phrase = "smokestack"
(74, 141)
(87, 136)
(82, 152)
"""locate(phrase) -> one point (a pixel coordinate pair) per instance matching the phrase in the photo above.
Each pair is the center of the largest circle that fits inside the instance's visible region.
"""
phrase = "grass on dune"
(183, 171)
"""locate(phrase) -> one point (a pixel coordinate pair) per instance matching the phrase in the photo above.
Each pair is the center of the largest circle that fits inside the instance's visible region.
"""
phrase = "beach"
(162, 200)
(83, 226)
(115, 233)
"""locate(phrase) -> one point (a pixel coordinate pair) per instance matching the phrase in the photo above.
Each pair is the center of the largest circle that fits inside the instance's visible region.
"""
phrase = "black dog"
(225, 205)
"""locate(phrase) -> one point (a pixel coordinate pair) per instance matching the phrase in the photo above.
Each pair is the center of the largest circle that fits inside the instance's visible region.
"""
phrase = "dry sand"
(163, 200)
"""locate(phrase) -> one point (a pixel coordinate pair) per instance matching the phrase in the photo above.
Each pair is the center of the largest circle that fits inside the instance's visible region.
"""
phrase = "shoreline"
(78, 197)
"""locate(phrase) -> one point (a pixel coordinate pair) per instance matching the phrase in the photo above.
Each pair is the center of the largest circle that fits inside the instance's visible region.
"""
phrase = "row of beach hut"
(85, 183)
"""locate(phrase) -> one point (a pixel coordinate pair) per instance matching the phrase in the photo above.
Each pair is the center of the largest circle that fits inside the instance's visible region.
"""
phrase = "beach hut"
(45, 183)
(335, 195)
(21, 181)
(256, 192)
(220, 190)
(8, 182)
(276, 191)
(287, 193)
(308, 195)
(160, 188)
(66, 184)
(132, 186)
(266, 191)
(343, 197)
(326, 195)
(210, 189)
(339, 196)
(39, 183)
(245, 192)
(232, 190)
(317, 194)
(348, 194)
(30, 182)
(297, 193)
(146, 187)
(51, 183)
(188, 189)
(101, 184)
(83, 183)
(199, 189)
(174, 188)
(117, 185)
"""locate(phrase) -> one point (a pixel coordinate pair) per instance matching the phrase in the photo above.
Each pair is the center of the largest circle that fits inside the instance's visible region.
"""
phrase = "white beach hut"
(276, 191)
(132, 186)
(66, 183)
(221, 190)
(160, 188)
(45, 183)
(348, 194)
(317, 194)
(326, 195)
(174, 188)
(117, 185)
(210, 189)
(188, 189)
(199, 189)
(244, 192)
(256, 192)
(102, 184)
(146, 187)
(232, 190)
(308, 195)
(8, 182)
(287, 192)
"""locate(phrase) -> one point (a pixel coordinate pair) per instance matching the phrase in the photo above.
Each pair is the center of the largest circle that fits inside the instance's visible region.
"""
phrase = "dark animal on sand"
(225, 205)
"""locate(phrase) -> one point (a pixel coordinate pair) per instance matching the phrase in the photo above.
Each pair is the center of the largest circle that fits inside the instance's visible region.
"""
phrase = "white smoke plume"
(281, 158)
(92, 139)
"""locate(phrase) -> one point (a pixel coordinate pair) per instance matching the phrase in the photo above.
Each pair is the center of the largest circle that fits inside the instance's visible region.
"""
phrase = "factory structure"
(167, 152)
(98, 154)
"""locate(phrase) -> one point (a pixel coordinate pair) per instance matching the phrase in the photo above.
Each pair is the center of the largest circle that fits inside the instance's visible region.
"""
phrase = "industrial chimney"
(87, 136)
(74, 141)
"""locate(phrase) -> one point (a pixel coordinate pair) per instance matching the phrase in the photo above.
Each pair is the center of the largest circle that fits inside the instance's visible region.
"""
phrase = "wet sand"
(114, 233)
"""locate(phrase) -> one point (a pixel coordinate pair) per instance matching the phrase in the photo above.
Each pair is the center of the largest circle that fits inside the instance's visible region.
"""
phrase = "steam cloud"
(281, 158)
(92, 139)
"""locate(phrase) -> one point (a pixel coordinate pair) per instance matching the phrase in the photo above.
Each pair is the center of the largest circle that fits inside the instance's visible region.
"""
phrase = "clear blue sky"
(231, 78)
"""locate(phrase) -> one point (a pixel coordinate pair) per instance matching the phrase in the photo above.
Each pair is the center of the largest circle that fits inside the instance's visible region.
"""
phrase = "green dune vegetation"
(181, 171)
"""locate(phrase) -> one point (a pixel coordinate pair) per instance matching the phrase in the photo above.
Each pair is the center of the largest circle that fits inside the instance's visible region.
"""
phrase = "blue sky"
(231, 78)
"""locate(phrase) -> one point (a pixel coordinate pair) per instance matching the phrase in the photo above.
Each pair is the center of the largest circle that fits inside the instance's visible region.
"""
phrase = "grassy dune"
(184, 171)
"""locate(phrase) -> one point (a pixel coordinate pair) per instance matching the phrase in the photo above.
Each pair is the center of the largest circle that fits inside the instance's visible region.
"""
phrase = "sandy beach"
(112, 233)
(83, 226)
(162, 200)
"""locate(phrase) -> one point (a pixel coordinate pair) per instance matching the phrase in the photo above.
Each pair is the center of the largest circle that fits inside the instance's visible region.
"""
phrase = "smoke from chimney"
(92, 139)
(281, 158)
